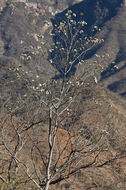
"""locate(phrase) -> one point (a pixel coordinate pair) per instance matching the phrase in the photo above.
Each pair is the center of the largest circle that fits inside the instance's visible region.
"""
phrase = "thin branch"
(61, 178)
(3, 179)
(32, 125)
(111, 160)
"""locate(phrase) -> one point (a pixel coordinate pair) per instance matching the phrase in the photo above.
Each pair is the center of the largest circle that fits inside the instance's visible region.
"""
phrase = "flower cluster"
(82, 23)
(71, 41)
(25, 57)
(96, 40)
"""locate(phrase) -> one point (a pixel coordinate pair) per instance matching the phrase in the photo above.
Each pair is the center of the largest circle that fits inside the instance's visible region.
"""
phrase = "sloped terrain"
(114, 76)
(100, 113)
(25, 30)
(102, 116)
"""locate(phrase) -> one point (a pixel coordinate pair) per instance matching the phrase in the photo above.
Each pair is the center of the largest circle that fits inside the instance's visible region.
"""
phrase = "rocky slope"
(99, 119)
(25, 27)
(114, 77)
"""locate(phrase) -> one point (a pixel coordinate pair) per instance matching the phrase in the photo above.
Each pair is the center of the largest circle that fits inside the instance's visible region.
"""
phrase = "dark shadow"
(118, 85)
(96, 12)
(111, 70)
(123, 94)
(114, 67)
(87, 133)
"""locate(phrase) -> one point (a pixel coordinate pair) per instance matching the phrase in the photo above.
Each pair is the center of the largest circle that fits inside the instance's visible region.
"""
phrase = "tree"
(68, 149)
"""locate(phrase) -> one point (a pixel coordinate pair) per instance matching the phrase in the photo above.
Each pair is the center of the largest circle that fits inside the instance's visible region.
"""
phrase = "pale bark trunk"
(51, 147)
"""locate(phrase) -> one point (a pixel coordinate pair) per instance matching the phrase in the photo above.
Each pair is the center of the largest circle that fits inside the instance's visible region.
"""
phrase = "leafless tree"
(49, 149)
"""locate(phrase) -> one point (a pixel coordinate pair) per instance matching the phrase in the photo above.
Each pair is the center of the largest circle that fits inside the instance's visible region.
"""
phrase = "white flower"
(70, 98)
(47, 92)
(42, 43)
(77, 82)
(39, 47)
(74, 14)
(81, 31)
(97, 55)
(42, 90)
(57, 42)
(33, 87)
(21, 41)
(75, 50)
(69, 11)
(95, 79)
(44, 84)
(105, 132)
(116, 67)
(95, 27)
(51, 34)
(69, 16)
(83, 23)
(50, 60)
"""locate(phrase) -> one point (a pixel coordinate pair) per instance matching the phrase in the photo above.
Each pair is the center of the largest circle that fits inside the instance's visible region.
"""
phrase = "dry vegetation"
(68, 132)
(100, 126)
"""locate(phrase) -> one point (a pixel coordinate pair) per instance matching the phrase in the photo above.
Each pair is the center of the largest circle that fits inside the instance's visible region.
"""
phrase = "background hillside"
(25, 39)
(25, 28)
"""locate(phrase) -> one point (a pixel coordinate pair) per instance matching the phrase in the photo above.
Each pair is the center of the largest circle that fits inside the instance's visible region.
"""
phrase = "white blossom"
(96, 80)
(83, 23)
(69, 11)
(47, 92)
(81, 31)
(50, 60)
(116, 67)
(74, 14)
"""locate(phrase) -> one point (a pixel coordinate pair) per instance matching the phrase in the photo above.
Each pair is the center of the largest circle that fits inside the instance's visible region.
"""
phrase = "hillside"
(91, 132)
(25, 28)
(99, 119)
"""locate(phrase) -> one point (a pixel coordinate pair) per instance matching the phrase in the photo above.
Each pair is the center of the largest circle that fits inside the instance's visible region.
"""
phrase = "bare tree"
(50, 149)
